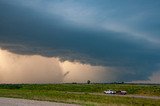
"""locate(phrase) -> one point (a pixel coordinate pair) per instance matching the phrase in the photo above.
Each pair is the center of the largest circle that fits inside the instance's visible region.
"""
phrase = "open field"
(84, 94)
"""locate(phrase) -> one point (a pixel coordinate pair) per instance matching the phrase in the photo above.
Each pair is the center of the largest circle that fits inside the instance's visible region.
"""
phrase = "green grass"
(148, 90)
(64, 93)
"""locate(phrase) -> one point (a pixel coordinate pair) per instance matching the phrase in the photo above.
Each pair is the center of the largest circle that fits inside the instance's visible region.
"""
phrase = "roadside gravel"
(24, 102)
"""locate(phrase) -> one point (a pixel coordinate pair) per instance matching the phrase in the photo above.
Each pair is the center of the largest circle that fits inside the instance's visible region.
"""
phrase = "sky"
(79, 40)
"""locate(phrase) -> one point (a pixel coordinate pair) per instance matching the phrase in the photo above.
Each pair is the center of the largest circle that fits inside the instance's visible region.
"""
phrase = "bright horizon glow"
(16, 68)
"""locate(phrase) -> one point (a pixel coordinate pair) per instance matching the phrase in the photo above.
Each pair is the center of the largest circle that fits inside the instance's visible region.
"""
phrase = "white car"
(110, 92)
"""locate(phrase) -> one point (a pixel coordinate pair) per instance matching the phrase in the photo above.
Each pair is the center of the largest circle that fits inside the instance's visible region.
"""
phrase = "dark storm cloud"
(120, 34)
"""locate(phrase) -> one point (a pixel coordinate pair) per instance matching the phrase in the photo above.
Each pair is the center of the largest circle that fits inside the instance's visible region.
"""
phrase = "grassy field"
(82, 93)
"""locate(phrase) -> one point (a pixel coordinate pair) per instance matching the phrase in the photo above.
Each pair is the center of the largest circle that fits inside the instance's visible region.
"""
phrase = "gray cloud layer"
(119, 34)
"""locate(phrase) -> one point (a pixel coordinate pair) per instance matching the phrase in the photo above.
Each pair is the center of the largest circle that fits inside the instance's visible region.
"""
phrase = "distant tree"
(88, 82)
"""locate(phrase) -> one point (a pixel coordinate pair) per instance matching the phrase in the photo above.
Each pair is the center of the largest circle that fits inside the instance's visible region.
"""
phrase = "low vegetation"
(84, 94)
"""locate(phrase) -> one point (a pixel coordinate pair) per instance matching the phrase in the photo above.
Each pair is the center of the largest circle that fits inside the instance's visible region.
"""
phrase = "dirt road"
(132, 96)
(137, 96)
(128, 95)
(24, 102)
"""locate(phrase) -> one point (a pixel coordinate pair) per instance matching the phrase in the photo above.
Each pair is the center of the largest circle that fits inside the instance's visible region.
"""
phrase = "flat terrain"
(85, 94)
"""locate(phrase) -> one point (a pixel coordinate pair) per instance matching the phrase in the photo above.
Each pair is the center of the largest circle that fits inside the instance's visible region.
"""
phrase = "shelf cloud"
(120, 36)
